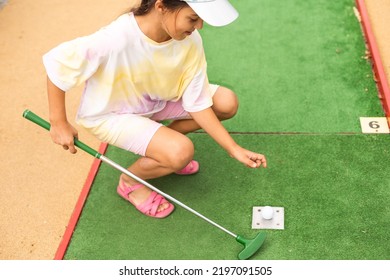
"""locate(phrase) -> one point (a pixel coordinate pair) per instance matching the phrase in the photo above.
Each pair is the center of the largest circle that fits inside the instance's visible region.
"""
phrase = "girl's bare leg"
(167, 152)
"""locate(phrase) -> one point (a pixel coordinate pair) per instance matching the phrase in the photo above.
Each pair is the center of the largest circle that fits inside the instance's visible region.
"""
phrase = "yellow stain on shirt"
(162, 76)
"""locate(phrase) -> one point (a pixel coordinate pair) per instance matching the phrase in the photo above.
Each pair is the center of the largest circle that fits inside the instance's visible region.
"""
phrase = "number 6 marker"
(374, 125)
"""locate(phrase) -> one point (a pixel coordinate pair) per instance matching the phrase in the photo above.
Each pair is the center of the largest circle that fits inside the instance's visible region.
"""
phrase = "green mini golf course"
(298, 68)
(334, 193)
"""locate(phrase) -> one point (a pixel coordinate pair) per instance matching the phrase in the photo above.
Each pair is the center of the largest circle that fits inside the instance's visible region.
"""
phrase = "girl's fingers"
(257, 160)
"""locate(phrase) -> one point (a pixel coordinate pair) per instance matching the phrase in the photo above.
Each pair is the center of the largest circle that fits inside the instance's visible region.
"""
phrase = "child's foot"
(145, 200)
(191, 168)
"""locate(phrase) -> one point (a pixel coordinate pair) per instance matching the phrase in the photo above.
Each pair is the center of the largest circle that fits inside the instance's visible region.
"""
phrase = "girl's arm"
(208, 121)
(61, 131)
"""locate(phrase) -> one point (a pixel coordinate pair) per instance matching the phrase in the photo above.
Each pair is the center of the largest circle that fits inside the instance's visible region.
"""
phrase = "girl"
(147, 66)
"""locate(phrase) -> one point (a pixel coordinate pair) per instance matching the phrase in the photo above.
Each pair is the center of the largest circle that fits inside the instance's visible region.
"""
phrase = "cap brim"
(215, 13)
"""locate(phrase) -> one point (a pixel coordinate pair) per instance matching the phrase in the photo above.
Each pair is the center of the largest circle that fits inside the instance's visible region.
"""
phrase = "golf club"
(251, 246)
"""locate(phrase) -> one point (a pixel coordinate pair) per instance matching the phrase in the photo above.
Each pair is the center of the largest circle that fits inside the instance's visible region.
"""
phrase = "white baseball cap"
(214, 12)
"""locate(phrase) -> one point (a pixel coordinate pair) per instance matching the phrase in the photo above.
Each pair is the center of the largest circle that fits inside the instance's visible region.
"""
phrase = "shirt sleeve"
(73, 62)
(197, 96)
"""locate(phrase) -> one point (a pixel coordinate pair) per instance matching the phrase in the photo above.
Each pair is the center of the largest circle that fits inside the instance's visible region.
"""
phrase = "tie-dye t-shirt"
(125, 72)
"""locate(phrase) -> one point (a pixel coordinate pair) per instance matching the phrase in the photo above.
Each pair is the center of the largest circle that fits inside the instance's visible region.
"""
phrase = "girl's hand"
(250, 159)
(63, 134)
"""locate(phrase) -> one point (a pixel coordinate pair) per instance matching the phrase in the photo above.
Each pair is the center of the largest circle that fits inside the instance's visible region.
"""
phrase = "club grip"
(46, 125)
(36, 119)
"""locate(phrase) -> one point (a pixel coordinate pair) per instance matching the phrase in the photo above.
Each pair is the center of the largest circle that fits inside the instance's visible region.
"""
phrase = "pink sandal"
(191, 168)
(149, 207)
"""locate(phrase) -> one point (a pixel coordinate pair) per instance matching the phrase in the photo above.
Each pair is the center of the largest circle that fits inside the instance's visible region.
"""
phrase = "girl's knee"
(225, 103)
(170, 149)
(183, 155)
(180, 153)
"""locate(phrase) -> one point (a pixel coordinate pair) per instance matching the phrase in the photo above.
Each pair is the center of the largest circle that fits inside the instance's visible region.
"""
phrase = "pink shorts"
(134, 132)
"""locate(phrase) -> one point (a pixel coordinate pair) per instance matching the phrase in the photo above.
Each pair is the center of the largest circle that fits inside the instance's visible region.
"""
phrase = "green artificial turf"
(297, 66)
(334, 188)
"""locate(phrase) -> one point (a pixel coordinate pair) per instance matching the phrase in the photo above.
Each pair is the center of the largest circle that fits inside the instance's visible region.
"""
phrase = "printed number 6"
(374, 124)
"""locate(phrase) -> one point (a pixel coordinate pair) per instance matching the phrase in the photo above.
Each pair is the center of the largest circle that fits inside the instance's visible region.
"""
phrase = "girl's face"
(180, 24)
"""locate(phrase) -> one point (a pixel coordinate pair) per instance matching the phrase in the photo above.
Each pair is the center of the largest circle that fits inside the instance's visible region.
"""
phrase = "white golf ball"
(267, 212)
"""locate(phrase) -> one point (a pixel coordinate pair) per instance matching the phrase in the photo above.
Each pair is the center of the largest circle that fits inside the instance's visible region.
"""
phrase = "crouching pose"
(147, 66)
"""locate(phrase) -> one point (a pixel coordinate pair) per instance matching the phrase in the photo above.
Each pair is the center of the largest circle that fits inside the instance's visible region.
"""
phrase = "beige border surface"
(39, 182)
(379, 13)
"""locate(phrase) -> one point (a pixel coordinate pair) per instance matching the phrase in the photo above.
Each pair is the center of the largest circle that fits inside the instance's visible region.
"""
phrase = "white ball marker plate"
(277, 221)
